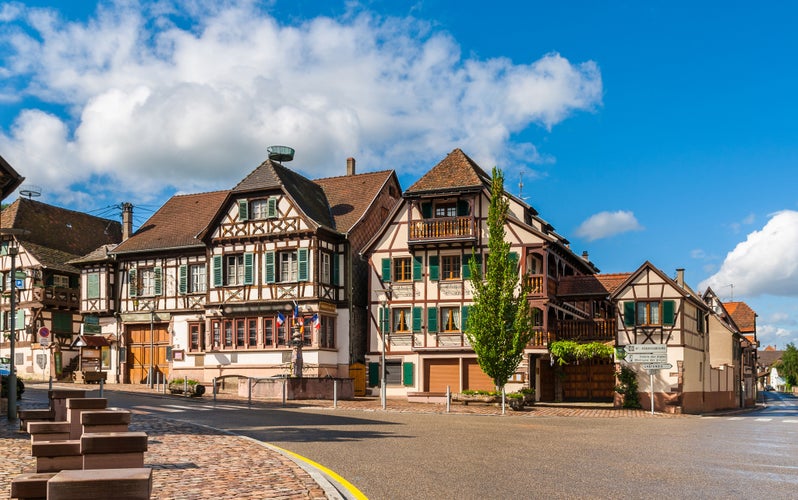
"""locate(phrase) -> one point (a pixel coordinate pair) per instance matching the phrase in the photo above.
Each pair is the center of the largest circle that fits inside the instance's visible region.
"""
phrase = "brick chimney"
(680, 277)
(127, 220)
(350, 166)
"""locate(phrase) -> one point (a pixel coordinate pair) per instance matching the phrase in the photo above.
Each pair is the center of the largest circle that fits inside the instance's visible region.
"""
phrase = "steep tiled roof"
(176, 224)
(767, 358)
(51, 258)
(310, 197)
(68, 231)
(100, 254)
(9, 179)
(351, 195)
(456, 171)
(596, 284)
(744, 317)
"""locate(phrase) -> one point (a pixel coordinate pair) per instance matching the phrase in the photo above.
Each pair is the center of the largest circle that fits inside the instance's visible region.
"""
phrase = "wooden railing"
(540, 339)
(68, 298)
(600, 329)
(536, 283)
(442, 229)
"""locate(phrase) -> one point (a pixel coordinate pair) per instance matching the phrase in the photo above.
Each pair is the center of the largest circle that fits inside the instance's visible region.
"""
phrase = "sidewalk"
(195, 462)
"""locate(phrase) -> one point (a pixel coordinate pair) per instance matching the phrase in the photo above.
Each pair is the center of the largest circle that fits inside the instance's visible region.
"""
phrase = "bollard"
(335, 393)
(214, 389)
(284, 389)
(503, 399)
(102, 383)
(50, 385)
(249, 391)
(448, 399)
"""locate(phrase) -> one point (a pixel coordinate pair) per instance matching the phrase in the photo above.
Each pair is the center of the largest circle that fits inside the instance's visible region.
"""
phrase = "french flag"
(280, 319)
(316, 321)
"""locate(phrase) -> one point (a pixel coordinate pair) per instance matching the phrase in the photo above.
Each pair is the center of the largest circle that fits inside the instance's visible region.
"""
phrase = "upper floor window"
(446, 210)
(60, 281)
(451, 267)
(257, 209)
(402, 269)
(145, 281)
(192, 278)
(326, 268)
(450, 319)
(401, 319)
(287, 266)
(93, 286)
(649, 313)
(233, 269)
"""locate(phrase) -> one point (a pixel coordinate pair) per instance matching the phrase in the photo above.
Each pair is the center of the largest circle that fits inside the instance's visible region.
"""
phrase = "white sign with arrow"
(646, 348)
(646, 358)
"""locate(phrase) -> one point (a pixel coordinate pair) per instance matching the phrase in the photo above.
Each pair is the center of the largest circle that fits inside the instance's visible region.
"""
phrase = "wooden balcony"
(57, 298)
(601, 330)
(446, 228)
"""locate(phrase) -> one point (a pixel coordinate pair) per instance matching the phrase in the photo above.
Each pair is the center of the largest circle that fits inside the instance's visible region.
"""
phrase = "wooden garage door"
(440, 373)
(140, 351)
(475, 378)
(592, 380)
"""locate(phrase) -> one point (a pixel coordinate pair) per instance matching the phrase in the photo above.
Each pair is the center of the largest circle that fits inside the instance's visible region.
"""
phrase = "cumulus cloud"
(766, 263)
(143, 97)
(607, 224)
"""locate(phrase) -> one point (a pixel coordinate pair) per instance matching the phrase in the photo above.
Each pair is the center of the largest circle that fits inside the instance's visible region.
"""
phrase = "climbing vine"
(567, 351)
(627, 387)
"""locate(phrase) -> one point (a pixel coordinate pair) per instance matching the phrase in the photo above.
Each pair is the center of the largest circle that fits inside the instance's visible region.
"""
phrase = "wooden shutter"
(217, 271)
(249, 271)
(302, 257)
(466, 272)
(374, 374)
(407, 373)
(269, 265)
(243, 210)
(417, 312)
(426, 210)
(462, 208)
(182, 283)
(386, 270)
(629, 313)
(418, 267)
(271, 207)
(432, 319)
(93, 285)
(336, 269)
(132, 282)
(464, 318)
(158, 279)
(434, 271)
(668, 312)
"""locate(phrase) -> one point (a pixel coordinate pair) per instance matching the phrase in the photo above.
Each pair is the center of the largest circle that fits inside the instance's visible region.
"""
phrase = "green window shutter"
(336, 269)
(418, 267)
(464, 317)
(407, 373)
(513, 256)
(629, 313)
(132, 281)
(302, 257)
(668, 312)
(462, 208)
(62, 322)
(243, 210)
(417, 312)
(182, 286)
(466, 272)
(249, 274)
(271, 208)
(386, 270)
(74, 282)
(374, 374)
(426, 210)
(158, 276)
(4, 248)
(434, 272)
(19, 321)
(93, 285)
(432, 319)
(217, 270)
(269, 263)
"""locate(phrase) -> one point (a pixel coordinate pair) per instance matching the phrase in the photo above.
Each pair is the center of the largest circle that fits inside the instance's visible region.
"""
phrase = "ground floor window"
(263, 332)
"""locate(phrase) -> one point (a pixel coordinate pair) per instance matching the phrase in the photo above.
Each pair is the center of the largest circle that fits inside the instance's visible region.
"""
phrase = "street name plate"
(647, 348)
(657, 366)
(646, 358)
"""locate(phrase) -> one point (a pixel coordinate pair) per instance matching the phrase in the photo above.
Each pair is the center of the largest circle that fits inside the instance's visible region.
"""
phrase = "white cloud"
(195, 107)
(766, 263)
(606, 224)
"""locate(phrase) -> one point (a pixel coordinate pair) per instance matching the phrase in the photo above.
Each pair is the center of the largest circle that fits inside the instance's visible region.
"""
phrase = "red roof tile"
(594, 284)
(744, 317)
(456, 171)
(351, 195)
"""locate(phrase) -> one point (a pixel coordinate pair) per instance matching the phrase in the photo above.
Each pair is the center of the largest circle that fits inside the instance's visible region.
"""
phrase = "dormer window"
(265, 208)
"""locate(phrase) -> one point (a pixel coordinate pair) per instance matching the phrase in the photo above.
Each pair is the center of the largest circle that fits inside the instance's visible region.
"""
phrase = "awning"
(90, 341)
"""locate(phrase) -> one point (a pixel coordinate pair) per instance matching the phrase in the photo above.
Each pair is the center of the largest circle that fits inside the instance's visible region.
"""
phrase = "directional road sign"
(646, 358)
(647, 348)
(657, 366)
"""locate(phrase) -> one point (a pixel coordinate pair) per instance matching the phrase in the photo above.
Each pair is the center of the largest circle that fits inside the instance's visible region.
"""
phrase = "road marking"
(159, 408)
(200, 408)
(764, 419)
(791, 421)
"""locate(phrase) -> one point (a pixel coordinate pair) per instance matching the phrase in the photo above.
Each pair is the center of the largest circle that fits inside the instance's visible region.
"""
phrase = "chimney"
(680, 277)
(350, 166)
(585, 256)
(127, 220)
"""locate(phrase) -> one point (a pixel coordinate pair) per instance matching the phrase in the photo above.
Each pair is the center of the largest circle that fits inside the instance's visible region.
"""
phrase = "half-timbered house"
(420, 290)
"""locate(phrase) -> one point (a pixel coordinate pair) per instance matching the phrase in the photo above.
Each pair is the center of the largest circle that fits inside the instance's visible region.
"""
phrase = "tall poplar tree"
(499, 322)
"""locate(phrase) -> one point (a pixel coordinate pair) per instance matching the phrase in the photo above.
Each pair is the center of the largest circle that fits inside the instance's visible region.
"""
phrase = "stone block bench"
(56, 411)
(31, 485)
(109, 420)
(98, 450)
(48, 431)
(55, 456)
(77, 406)
(118, 483)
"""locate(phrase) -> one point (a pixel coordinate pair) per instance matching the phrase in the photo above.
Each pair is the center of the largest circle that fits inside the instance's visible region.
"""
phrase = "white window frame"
(326, 268)
(147, 281)
(197, 278)
(289, 266)
(234, 269)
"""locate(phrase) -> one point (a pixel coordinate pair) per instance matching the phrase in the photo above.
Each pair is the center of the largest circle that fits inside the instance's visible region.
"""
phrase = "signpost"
(44, 336)
(653, 357)
(647, 348)
(646, 358)
(657, 366)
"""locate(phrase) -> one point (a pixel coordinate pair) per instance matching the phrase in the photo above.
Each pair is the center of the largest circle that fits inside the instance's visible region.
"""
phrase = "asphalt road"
(407, 455)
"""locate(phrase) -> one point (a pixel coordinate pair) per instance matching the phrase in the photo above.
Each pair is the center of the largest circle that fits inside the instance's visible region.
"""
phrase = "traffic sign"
(647, 348)
(44, 332)
(44, 336)
(657, 366)
(646, 358)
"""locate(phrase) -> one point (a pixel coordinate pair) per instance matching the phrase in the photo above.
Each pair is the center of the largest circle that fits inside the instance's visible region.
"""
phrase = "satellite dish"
(31, 191)
(280, 153)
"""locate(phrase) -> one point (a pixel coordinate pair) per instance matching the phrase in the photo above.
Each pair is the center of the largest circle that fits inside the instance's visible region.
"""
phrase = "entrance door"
(141, 350)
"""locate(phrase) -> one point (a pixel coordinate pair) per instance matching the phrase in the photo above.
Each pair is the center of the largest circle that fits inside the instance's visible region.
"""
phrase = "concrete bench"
(54, 456)
(105, 421)
(58, 399)
(120, 449)
(119, 484)
(34, 415)
(76, 406)
(31, 485)
(48, 431)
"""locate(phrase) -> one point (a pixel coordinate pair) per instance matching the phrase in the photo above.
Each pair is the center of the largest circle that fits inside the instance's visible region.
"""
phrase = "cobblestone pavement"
(192, 462)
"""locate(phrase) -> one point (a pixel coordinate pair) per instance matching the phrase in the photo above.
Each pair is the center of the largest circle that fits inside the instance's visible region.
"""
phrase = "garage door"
(475, 378)
(440, 373)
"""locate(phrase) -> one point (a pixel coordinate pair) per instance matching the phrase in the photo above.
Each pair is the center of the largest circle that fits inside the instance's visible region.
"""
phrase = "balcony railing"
(62, 298)
(600, 329)
(447, 228)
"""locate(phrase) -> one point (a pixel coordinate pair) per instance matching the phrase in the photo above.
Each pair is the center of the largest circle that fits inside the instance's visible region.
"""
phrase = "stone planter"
(193, 390)
(475, 398)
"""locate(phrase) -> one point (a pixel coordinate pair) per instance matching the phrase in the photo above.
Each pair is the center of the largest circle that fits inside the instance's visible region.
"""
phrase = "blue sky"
(656, 131)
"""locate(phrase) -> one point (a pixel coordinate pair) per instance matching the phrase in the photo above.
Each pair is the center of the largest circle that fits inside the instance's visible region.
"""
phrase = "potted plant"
(188, 387)
(472, 396)
(515, 400)
(529, 395)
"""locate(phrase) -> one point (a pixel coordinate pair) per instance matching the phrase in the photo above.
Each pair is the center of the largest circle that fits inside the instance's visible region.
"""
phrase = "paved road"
(414, 455)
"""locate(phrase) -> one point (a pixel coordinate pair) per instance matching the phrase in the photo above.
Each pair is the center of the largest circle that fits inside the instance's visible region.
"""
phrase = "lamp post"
(152, 347)
(12, 375)
(297, 341)
(384, 331)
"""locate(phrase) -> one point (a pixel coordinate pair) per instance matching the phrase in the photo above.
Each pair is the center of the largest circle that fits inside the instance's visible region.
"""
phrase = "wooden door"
(591, 380)
(440, 373)
(141, 350)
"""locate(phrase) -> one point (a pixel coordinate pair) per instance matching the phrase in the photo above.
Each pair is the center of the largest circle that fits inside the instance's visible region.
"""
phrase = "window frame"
(196, 336)
(450, 315)
(197, 278)
(402, 269)
(401, 320)
(644, 307)
(451, 266)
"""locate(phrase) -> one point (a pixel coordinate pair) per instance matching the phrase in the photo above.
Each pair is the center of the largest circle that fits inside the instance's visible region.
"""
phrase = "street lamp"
(152, 347)
(384, 331)
(297, 341)
(12, 375)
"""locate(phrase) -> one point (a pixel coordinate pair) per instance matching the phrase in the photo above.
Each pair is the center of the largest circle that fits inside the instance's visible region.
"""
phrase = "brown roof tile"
(594, 284)
(9, 179)
(176, 224)
(456, 171)
(744, 317)
(351, 195)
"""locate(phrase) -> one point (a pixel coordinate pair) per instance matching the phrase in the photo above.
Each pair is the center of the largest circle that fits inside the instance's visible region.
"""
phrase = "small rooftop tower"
(280, 153)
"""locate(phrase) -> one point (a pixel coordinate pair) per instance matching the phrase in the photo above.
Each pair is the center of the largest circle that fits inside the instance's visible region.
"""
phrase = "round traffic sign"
(44, 332)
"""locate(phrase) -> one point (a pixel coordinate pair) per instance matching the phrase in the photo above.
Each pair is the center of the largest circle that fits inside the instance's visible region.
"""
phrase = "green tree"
(788, 366)
(499, 322)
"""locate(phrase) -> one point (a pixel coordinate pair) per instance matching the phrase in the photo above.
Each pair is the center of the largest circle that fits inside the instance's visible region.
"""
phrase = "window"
(196, 278)
(446, 210)
(268, 331)
(450, 319)
(195, 336)
(238, 333)
(282, 333)
(252, 332)
(234, 269)
(217, 334)
(60, 281)
(326, 268)
(451, 267)
(288, 266)
(401, 319)
(307, 330)
(393, 372)
(648, 313)
(327, 333)
(402, 269)
(228, 333)
(93, 286)
(263, 209)
(145, 281)
(241, 330)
